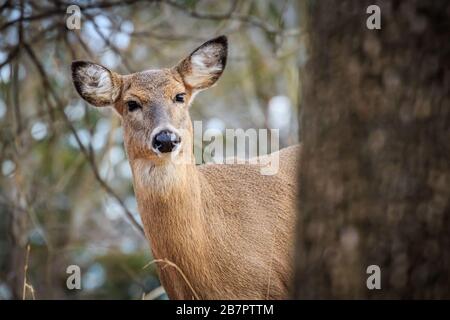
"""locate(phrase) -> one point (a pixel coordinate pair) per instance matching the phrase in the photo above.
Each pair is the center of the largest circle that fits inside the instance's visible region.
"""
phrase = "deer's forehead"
(153, 82)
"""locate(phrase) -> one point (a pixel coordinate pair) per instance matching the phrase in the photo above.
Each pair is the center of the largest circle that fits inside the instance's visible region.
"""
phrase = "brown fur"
(228, 228)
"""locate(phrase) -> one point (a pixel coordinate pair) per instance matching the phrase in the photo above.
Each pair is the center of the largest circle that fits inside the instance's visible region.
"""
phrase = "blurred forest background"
(374, 123)
(65, 183)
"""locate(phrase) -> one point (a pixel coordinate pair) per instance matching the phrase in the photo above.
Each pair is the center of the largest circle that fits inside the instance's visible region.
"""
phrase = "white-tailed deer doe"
(228, 228)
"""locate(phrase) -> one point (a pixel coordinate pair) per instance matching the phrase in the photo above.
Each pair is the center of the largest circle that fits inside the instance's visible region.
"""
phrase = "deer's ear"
(95, 83)
(205, 65)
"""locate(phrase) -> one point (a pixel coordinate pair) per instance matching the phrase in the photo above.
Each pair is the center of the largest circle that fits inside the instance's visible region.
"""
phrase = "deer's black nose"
(165, 141)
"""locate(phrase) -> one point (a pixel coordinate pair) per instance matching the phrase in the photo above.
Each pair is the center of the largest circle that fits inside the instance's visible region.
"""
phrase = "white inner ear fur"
(97, 83)
(204, 63)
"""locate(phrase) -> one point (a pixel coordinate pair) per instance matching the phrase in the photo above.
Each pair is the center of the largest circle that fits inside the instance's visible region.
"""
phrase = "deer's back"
(252, 220)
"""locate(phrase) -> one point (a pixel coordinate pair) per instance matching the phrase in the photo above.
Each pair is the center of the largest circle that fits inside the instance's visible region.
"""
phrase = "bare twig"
(109, 43)
(89, 155)
(61, 7)
(229, 15)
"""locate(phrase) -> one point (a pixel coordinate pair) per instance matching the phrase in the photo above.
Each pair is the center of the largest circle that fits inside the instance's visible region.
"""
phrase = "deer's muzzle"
(165, 141)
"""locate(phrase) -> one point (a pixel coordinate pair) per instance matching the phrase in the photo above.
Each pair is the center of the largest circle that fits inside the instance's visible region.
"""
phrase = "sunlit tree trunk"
(375, 168)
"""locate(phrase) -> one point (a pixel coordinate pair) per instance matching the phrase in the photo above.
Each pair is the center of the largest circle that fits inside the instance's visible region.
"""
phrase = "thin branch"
(13, 53)
(230, 15)
(89, 156)
(62, 10)
(109, 43)
(84, 45)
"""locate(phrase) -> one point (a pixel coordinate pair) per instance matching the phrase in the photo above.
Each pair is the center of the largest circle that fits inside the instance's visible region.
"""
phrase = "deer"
(227, 231)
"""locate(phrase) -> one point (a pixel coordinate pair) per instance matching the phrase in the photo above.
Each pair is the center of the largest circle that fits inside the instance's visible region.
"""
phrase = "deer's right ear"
(95, 83)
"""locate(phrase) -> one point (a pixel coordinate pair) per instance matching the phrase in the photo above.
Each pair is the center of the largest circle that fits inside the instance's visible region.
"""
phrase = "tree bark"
(375, 167)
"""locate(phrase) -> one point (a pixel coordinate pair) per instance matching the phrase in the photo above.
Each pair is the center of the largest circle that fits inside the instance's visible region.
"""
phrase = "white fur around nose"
(204, 64)
(97, 83)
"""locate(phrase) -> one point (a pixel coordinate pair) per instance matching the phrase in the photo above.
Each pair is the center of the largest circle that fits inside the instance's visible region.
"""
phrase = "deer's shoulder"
(243, 186)
(285, 168)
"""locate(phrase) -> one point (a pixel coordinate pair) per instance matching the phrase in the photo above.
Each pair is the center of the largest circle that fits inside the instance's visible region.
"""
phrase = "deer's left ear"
(204, 65)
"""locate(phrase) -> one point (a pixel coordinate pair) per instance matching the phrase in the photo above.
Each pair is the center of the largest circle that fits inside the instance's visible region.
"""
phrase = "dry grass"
(171, 264)
(155, 293)
(26, 285)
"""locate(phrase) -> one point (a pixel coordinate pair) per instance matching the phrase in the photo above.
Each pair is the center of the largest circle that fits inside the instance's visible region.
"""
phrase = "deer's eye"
(133, 106)
(180, 97)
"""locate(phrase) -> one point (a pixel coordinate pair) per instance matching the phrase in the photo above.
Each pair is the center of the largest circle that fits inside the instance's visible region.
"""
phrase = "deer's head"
(154, 104)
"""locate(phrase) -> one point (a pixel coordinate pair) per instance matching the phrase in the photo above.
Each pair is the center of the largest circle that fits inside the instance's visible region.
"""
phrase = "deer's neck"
(169, 200)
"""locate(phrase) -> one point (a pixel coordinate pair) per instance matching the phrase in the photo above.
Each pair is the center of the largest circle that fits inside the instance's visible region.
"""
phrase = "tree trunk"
(375, 168)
